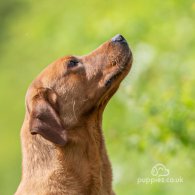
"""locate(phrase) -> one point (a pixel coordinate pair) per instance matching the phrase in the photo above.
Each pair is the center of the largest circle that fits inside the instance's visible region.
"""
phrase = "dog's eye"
(72, 63)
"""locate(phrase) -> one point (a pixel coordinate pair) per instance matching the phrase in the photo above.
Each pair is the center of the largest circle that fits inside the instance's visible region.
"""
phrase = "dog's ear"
(44, 117)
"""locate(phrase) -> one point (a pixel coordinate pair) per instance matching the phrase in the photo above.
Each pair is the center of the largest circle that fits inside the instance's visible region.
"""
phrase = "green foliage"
(151, 119)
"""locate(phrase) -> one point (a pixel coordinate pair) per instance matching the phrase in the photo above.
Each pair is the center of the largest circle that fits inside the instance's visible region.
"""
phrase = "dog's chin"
(112, 82)
(119, 73)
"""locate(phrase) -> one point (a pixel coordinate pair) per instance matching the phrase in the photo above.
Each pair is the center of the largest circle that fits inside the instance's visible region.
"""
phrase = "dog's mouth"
(119, 61)
(120, 71)
(112, 78)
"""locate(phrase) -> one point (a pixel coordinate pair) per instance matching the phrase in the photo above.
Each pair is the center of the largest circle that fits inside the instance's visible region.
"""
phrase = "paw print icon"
(159, 170)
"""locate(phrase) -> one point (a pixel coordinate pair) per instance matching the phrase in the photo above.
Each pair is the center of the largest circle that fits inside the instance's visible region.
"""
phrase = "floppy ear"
(44, 117)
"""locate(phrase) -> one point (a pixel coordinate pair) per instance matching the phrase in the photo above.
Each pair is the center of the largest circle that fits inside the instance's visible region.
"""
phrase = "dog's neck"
(83, 154)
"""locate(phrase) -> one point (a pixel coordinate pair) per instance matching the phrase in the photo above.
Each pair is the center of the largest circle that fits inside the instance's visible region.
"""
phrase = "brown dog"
(62, 141)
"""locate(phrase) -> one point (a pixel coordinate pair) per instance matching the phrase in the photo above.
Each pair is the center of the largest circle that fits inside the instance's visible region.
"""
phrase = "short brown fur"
(63, 147)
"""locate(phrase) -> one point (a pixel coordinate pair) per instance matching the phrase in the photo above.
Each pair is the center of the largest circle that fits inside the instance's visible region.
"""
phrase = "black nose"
(118, 38)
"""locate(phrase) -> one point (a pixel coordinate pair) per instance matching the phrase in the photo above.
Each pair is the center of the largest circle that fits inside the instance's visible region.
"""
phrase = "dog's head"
(74, 86)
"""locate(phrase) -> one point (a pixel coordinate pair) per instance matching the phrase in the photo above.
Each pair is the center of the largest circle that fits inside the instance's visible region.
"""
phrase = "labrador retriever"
(63, 146)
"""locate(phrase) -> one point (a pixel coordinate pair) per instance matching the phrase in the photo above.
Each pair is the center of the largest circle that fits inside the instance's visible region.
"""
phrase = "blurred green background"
(150, 120)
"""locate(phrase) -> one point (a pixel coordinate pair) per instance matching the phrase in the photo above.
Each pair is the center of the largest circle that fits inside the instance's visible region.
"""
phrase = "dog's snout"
(118, 38)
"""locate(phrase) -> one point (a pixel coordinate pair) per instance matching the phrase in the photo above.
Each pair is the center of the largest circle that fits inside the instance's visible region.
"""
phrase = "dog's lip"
(112, 78)
(119, 71)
